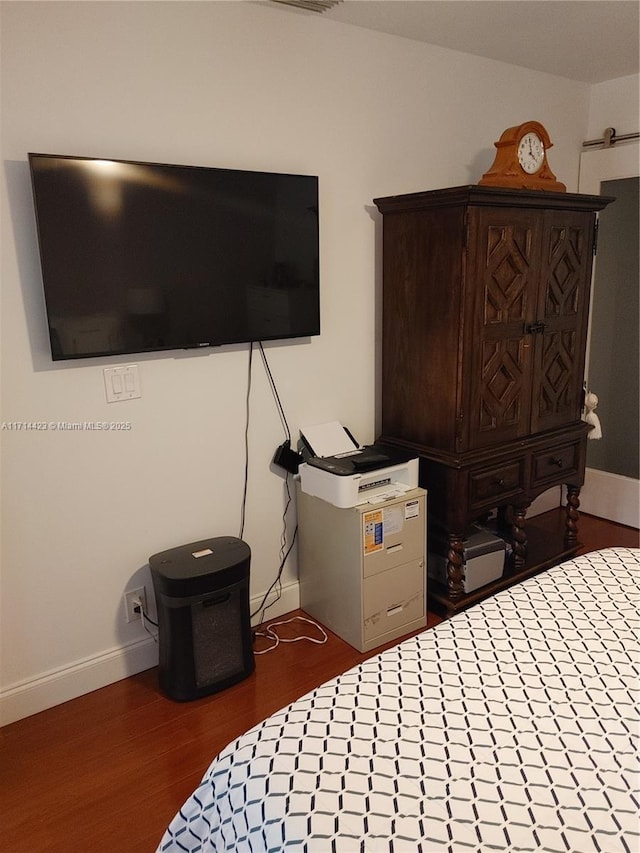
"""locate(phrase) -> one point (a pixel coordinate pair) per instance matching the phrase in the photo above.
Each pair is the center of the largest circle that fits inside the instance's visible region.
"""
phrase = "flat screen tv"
(140, 257)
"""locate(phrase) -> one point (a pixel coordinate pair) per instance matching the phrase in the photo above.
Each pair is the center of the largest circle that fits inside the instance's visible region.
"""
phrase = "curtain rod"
(610, 138)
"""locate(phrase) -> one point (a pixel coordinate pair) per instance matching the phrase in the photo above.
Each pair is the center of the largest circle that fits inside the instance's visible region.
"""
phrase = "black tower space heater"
(204, 626)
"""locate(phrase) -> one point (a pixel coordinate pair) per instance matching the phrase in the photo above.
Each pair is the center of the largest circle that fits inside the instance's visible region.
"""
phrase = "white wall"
(614, 103)
(241, 85)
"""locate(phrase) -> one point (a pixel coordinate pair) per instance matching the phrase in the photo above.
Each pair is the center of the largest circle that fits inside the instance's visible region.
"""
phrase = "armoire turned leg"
(572, 516)
(519, 535)
(455, 563)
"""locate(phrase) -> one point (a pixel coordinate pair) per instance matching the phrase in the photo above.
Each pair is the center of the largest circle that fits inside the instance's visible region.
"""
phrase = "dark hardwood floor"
(107, 771)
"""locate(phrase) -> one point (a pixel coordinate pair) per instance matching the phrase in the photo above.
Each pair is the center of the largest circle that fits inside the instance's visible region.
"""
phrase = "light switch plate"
(122, 383)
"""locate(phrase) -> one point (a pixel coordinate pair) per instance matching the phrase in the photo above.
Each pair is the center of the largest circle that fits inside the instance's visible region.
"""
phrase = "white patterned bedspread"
(511, 727)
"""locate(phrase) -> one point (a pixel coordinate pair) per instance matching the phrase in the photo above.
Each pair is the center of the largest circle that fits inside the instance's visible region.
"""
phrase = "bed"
(512, 726)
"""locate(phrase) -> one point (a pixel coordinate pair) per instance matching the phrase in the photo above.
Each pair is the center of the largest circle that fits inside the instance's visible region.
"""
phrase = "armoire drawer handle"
(499, 481)
(555, 461)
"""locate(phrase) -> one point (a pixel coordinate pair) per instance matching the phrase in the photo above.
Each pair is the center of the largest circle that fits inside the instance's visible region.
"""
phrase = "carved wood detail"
(572, 515)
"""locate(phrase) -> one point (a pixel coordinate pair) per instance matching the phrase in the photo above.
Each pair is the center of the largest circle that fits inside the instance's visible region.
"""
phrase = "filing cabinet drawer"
(555, 464)
(393, 599)
(393, 534)
(490, 486)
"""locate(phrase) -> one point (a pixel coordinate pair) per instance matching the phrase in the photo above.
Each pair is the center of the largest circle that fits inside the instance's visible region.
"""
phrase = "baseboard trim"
(611, 496)
(52, 688)
(69, 682)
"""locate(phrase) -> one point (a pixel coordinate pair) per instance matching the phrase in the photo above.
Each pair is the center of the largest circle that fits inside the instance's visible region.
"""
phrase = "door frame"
(604, 494)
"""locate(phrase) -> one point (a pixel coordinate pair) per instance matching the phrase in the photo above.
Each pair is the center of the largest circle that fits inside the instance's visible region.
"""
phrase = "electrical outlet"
(130, 597)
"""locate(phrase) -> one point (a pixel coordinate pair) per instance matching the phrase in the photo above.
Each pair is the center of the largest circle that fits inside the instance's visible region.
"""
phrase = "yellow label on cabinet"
(373, 531)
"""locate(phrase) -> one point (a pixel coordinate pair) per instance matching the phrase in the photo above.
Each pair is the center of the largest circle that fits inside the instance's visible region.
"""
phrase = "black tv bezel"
(314, 331)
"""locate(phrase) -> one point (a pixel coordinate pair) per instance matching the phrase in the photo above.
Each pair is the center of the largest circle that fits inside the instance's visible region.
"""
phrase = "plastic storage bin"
(484, 556)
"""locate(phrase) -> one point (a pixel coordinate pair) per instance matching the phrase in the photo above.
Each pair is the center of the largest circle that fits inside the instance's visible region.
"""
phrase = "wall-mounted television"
(141, 257)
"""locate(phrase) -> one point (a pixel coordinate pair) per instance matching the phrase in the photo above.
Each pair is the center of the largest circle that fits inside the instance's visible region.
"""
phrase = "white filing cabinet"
(363, 569)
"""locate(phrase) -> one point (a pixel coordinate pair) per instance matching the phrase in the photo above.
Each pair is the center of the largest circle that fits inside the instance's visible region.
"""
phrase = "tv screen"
(141, 257)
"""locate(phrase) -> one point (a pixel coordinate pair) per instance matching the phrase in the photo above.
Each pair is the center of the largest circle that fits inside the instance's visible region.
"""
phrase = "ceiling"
(586, 40)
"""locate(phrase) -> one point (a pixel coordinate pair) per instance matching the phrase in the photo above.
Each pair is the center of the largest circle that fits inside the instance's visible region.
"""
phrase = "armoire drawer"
(492, 485)
(555, 464)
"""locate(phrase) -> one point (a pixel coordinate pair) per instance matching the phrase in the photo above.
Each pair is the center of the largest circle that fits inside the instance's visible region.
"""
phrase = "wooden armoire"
(485, 312)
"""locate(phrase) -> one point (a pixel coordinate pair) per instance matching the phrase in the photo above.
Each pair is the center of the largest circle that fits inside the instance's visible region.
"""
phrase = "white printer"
(341, 472)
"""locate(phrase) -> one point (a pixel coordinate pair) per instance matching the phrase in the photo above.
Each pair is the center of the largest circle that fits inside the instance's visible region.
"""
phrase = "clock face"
(531, 153)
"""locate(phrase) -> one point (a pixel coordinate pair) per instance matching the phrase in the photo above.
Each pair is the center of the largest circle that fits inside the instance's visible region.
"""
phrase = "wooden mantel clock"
(521, 160)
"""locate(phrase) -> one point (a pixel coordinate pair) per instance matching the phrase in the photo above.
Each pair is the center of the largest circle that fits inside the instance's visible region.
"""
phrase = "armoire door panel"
(506, 270)
(558, 386)
(566, 266)
(565, 278)
(505, 256)
(500, 402)
(504, 252)
(563, 310)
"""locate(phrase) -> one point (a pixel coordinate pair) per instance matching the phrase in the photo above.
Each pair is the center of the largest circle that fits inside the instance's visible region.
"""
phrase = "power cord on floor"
(270, 633)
